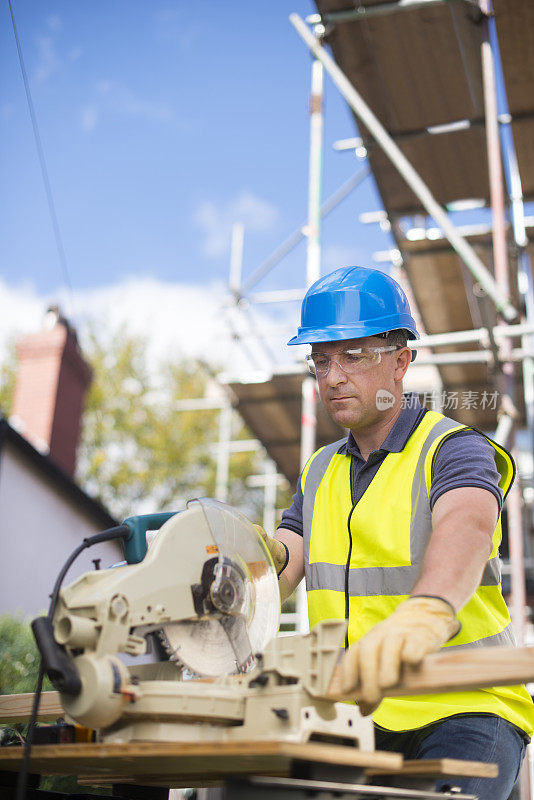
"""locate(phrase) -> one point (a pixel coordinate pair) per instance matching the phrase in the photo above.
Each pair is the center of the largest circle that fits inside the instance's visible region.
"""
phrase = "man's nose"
(335, 374)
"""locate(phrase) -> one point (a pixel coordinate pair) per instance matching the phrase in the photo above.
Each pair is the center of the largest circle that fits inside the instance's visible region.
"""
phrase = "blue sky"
(163, 123)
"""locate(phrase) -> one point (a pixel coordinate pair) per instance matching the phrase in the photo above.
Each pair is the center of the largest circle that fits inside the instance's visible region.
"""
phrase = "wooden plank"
(457, 670)
(445, 671)
(340, 754)
(438, 767)
(18, 707)
(175, 763)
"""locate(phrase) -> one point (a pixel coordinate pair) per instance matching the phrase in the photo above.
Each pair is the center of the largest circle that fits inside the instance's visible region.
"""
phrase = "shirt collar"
(406, 422)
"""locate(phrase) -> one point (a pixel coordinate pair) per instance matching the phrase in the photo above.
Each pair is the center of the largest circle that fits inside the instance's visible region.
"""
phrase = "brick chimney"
(51, 382)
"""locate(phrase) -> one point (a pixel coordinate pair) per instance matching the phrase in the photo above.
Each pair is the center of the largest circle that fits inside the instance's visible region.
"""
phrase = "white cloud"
(176, 320)
(50, 57)
(216, 221)
(113, 97)
(48, 61)
(89, 118)
(22, 311)
(119, 98)
(173, 25)
(74, 54)
(6, 111)
(335, 256)
(54, 22)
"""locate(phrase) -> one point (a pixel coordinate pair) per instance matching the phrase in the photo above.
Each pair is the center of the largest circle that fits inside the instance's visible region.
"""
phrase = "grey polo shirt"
(466, 458)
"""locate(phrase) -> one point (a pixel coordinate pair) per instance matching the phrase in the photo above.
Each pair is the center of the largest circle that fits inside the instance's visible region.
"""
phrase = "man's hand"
(418, 626)
(278, 550)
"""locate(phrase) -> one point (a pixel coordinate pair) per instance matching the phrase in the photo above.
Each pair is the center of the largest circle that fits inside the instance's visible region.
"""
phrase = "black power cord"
(117, 532)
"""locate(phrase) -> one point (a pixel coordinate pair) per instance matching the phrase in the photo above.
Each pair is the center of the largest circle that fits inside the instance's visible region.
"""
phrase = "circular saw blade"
(226, 643)
(202, 647)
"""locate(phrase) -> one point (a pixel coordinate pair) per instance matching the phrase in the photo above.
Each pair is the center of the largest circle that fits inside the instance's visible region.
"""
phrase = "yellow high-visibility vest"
(361, 560)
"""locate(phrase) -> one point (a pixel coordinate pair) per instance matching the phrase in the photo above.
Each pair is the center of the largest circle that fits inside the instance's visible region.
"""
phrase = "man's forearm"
(293, 573)
(286, 590)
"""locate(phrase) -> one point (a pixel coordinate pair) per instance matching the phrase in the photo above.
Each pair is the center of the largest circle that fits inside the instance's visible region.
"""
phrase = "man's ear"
(404, 358)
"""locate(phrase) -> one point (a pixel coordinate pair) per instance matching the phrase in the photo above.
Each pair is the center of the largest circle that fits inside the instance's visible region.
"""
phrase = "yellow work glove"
(278, 550)
(418, 626)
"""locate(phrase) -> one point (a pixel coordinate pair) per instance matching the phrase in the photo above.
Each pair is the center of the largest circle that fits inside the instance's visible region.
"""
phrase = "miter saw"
(207, 586)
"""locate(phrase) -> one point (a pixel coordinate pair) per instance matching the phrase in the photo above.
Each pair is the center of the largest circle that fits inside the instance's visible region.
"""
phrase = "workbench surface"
(177, 764)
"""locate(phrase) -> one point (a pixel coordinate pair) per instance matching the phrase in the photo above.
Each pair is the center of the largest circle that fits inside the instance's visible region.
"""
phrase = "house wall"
(39, 527)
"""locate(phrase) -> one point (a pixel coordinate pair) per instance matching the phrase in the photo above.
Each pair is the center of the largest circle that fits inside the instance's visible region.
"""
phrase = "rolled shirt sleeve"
(292, 517)
(465, 459)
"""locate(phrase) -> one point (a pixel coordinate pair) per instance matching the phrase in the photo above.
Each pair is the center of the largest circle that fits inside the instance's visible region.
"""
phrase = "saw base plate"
(192, 711)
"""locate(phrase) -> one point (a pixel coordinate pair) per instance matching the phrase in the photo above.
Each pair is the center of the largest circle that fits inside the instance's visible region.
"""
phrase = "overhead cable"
(42, 161)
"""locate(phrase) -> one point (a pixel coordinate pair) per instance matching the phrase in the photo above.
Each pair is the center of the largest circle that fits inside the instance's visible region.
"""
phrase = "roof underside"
(515, 28)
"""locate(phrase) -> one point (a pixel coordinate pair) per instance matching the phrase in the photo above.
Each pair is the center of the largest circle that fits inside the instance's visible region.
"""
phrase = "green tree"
(19, 657)
(138, 453)
(8, 370)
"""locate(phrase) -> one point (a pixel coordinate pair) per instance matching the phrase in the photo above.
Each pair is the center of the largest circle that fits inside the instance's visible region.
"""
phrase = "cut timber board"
(437, 767)
(18, 707)
(174, 763)
(457, 670)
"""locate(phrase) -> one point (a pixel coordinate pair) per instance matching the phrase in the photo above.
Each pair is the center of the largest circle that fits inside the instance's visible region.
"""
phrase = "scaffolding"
(472, 284)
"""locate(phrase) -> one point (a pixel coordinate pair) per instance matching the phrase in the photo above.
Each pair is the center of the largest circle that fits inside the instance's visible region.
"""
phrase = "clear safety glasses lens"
(350, 361)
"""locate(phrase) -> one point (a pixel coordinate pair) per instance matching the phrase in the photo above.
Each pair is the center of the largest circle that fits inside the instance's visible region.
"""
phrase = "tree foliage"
(8, 370)
(19, 657)
(138, 452)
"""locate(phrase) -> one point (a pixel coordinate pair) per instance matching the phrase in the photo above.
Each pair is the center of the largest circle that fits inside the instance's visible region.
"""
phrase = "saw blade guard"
(243, 597)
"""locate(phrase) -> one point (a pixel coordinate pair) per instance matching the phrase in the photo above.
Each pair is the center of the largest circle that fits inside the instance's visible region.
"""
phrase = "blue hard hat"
(353, 302)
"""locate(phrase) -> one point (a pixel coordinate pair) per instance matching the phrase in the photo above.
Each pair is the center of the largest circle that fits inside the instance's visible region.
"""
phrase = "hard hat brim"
(340, 333)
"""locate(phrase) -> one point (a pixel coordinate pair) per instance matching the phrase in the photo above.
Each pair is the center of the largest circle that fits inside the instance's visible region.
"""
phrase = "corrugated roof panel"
(438, 283)
(416, 67)
(450, 300)
(523, 133)
(515, 29)
(453, 165)
(419, 68)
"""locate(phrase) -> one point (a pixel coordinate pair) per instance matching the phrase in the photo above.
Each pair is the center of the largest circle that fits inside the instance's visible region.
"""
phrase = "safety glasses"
(352, 361)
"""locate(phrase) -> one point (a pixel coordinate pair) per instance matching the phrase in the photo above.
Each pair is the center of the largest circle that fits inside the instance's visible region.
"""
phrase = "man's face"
(360, 399)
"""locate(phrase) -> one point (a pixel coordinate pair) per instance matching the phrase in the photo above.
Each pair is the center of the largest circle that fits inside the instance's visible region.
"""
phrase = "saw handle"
(56, 662)
(135, 544)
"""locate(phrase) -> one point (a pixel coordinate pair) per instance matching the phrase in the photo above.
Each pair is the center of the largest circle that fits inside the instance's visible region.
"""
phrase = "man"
(397, 529)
